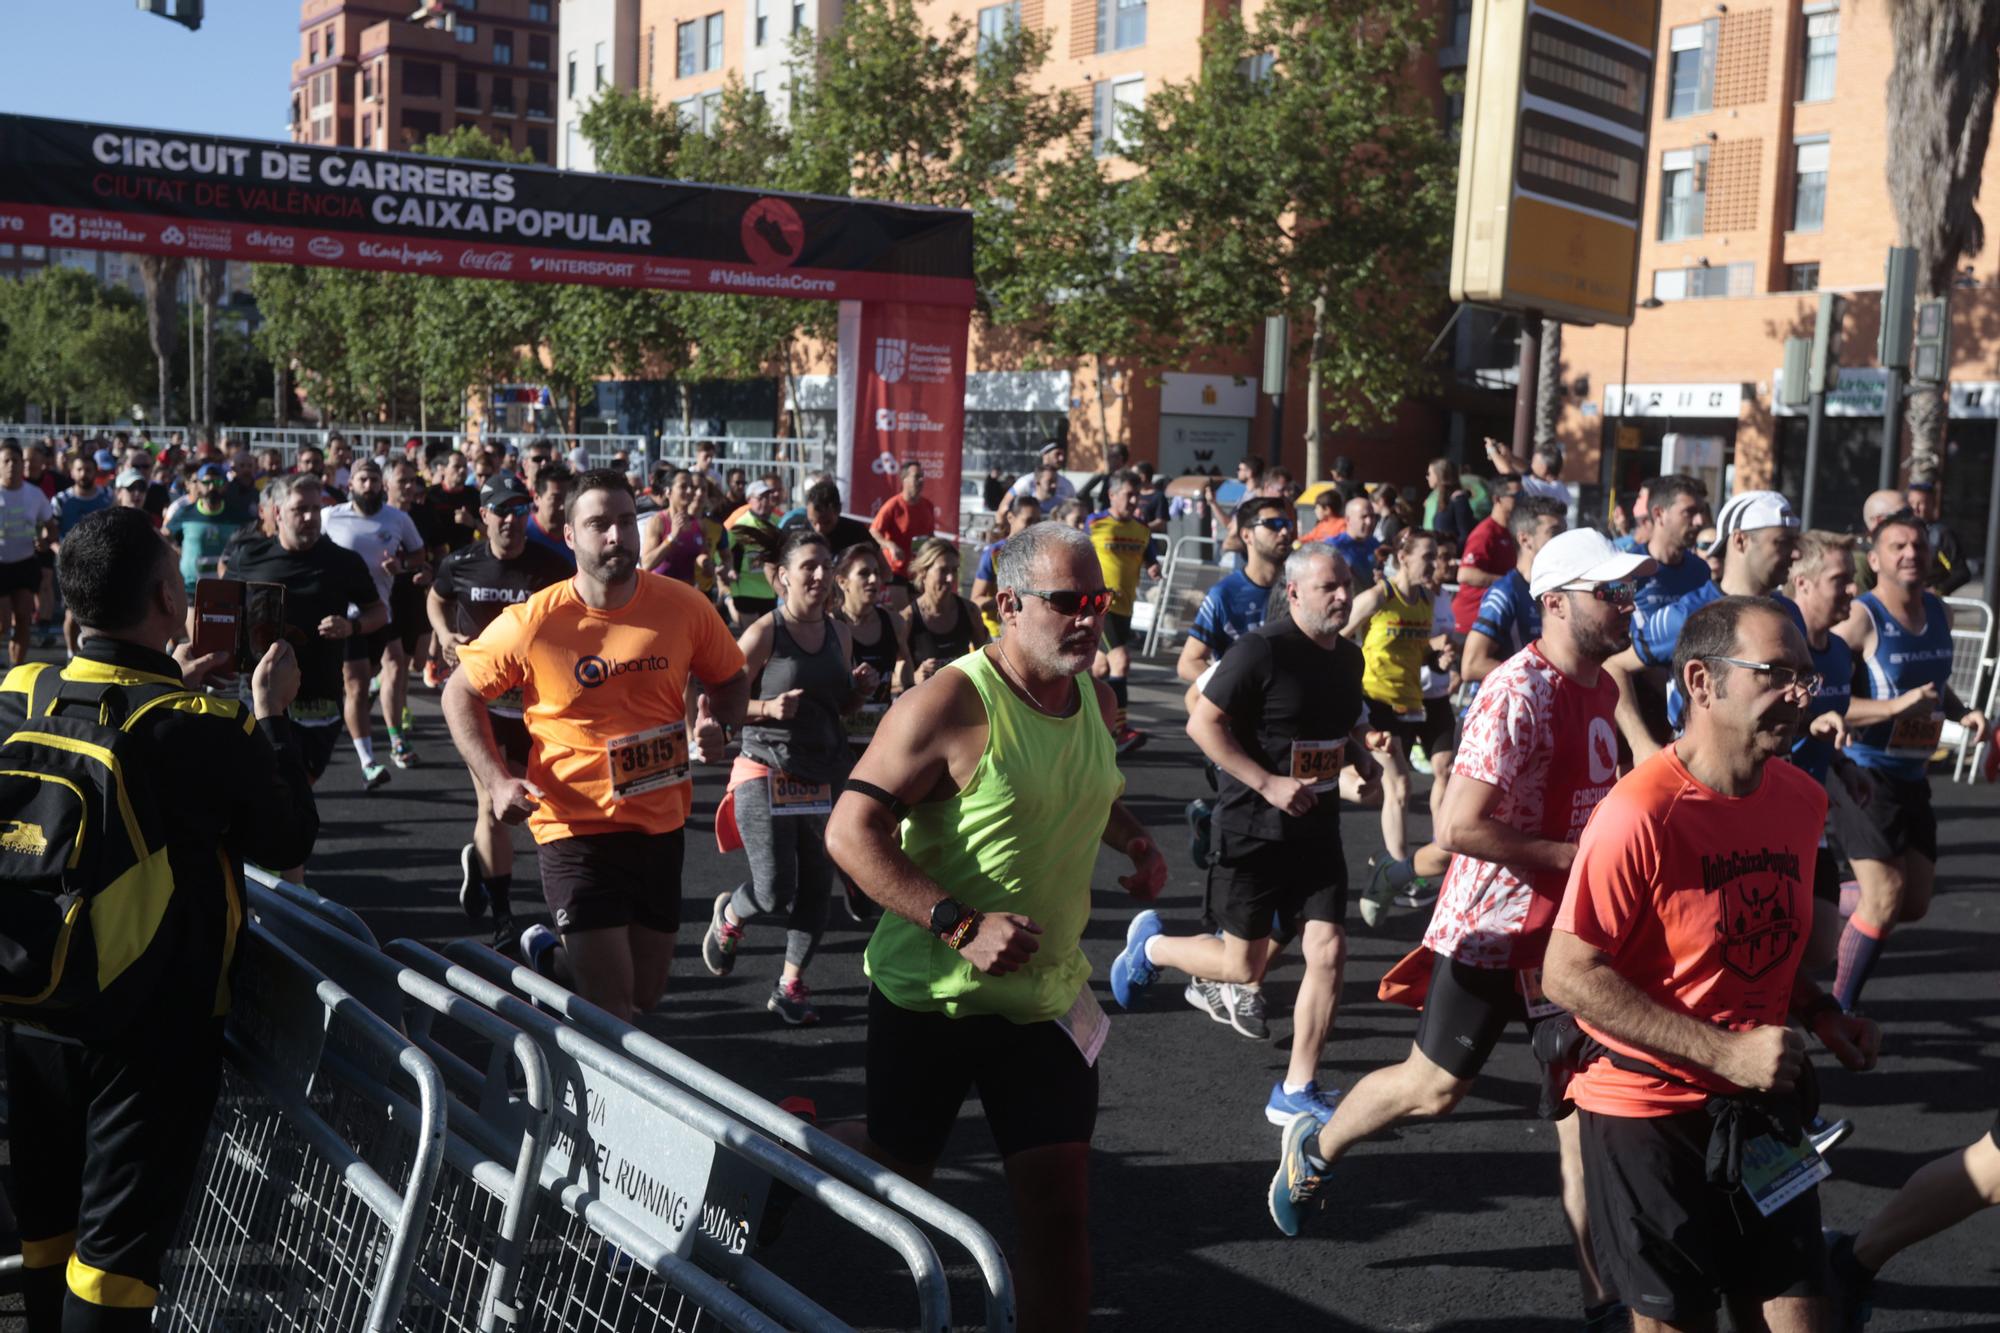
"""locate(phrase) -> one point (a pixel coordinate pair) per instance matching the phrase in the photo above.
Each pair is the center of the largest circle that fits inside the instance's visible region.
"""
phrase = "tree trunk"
(1548, 383)
(1940, 117)
(1313, 474)
(1103, 411)
(208, 277)
(162, 276)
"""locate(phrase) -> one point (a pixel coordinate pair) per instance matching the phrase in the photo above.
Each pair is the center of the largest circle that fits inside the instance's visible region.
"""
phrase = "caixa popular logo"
(62, 226)
(325, 247)
(275, 241)
(487, 261)
(885, 419)
(891, 356)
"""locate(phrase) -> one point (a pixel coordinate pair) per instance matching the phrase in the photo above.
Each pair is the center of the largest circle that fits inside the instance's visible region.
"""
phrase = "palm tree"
(1548, 382)
(1941, 89)
(162, 275)
(208, 274)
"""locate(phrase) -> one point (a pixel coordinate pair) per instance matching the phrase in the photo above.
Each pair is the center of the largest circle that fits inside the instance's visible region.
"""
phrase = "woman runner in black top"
(880, 640)
(942, 625)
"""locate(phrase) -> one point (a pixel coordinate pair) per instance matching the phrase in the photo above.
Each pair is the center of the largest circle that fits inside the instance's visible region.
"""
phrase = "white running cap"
(1583, 555)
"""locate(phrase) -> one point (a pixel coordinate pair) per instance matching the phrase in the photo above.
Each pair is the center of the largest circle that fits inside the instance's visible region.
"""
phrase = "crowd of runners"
(1647, 757)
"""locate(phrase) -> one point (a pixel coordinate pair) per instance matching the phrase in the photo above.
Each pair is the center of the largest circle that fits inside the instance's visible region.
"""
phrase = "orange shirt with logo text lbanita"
(603, 694)
(1702, 901)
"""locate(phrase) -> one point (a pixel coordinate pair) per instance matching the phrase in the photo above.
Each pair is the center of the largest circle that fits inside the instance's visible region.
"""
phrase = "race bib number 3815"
(648, 760)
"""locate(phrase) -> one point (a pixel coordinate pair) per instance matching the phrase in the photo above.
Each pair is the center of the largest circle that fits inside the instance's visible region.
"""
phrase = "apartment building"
(386, 75)
(1201, 415)
(1767, 185)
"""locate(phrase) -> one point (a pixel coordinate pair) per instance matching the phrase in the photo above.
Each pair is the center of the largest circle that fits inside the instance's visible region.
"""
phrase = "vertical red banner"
(902, 400)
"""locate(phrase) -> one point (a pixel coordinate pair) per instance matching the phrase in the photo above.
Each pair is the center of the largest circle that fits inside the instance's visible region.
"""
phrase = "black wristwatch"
(946, 913)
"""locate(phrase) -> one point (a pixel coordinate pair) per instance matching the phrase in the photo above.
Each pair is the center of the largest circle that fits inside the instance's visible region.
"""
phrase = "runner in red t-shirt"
(899, 524)
(1677, 947)
(1490, 552)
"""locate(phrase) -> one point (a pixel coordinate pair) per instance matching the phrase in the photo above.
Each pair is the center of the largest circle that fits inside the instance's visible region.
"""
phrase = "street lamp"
(1607, 466)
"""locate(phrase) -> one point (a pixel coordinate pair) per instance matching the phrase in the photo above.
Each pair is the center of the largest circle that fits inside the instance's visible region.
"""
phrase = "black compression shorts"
(1466, 1008)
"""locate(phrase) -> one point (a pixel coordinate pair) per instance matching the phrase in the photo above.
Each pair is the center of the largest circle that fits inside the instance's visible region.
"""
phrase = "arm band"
(897, 806)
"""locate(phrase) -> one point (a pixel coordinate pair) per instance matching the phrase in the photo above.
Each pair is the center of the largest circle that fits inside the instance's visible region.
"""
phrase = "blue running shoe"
(1308, 1100)
(1200, 816)
(1295, 1187)
(1131, 974)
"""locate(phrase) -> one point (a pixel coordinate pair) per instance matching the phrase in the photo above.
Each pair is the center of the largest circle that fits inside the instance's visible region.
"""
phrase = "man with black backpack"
(128, 804)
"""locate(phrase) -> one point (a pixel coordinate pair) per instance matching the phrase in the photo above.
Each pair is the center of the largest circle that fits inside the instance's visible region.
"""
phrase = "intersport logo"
(325, 247)
(487, 261)
(407, 255)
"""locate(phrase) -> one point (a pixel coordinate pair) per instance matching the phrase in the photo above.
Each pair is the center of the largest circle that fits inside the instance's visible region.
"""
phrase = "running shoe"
(409, 719)
(860, 907)
(1295, 1188)
(375, 685)
(1200, 817)
(791, 1001)
(505, 934)
(401, 752)
(1419, 760)
(373, 776)
(471, 885)
(1853, 1284)
(1308, 1100)
(1207, 996)
(1826, 1135)
(537, 943)
(1246, 1011)
(718, 945)
(1610, 1317)
(433, 675)
(1419, 892)
(1131, 973)
(1376, 897)
(1130, 739)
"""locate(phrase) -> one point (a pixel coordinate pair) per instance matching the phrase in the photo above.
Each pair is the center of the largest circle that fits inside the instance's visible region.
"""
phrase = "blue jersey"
(1233, 607)
(1359, 553)
(1835, 665)
(1508, 615)
(1672, 583)
(550, 543)
(1628, 544)
(1904, 660)
(985, 570)
(1655, 634)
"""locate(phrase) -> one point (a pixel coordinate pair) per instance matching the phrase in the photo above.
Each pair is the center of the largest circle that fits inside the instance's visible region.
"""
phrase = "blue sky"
(105, 60)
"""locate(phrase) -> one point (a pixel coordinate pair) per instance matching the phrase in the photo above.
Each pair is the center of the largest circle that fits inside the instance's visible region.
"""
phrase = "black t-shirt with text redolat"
(480, 585)
(322, 580)
(1291, 704)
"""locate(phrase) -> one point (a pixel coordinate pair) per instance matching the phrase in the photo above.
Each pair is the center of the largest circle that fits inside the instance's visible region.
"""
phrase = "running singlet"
(1672, 583)
(681, 558)
(604, 700)
(1122, 547)
(945, 645)
(1232, 608)
(1508, 615)
(881, 654)
(1548, 745)
(1835, 665)
(759, 543)
(72, 509)
(1655, 632)
(1904, 660)
(202, 537)
(1021, 837)
(812, 743)
(1398, 640)
(1702, 901)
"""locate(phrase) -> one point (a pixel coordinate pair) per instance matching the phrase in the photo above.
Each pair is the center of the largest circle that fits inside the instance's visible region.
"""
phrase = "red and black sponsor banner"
(902, 400)
(100, 187)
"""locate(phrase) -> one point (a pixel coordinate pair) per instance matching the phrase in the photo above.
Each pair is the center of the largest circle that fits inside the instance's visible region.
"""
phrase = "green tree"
(1303, 172)
(72, 347)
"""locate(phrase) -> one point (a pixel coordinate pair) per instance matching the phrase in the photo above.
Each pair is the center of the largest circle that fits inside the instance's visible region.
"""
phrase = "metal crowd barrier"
(1186, 577)
(1972, 670)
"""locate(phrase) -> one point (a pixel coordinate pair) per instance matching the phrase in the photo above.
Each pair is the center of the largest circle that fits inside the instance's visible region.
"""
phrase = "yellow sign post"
(1553, 156)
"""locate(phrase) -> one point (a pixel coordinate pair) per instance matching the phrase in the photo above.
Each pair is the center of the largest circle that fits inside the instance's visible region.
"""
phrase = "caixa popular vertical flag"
(902, 400)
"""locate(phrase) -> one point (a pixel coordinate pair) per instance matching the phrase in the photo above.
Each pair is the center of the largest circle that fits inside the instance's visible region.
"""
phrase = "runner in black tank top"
(877, 641)
(798, 658)
(943, 626)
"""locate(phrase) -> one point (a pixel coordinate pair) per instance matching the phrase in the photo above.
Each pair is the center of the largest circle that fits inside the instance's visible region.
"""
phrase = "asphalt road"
(1444, 1225)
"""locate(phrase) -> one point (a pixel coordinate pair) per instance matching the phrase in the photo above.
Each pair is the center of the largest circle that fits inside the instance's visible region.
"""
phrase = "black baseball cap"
(501, 489)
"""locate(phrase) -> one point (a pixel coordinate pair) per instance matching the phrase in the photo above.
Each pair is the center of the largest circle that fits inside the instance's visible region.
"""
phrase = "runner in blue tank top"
(1902, 636)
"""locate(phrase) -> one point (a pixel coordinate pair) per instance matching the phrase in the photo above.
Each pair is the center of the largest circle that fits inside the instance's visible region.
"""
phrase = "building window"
(686, 52)
(367, 131)
(570, 72)
(757, 85)
(367, 83)
(569, 145)
(422, 79)
(1821, 49)
(503, 48)
(312, 47)
(538, 11)
(503, 96)
(1702, 284)
(997, 24)
(603, 70)
(538, 145)
(760, 22)
(1802, 277)
(1257, 68)
(1683, 193)
(465, 34)
(1112, 104)
(714, 24)
(467, 94)
(538, 50)
(1459, 34)
(419, 125)
(798, 14)
(1121, 24)
(1809, 183)
(538, 100)
(1691, 68)
(652, 51)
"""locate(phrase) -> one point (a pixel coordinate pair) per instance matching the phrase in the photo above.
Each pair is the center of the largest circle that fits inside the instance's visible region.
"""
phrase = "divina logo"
(593, 670)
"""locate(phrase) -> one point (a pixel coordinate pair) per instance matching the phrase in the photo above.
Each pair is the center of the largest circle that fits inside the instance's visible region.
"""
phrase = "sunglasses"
(1070, 602)
(512, 509)
(1783, 678)
(1275, 524)
(1621, 595)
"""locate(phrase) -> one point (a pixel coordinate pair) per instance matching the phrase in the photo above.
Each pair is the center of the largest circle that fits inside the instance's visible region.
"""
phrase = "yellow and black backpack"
(85, 882)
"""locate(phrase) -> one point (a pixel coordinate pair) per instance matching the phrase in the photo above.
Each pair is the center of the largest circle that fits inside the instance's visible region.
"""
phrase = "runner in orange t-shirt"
(1677, 947)
(899, 524)
(602, 661)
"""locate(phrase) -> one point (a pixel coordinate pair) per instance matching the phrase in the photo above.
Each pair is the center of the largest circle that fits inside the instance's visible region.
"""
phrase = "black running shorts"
(1033, 1083)
(1253, 880)
(1465, 1010)
(369, 647)
(1899, 818)
(602, 880)
(1826, 878)
(407, 613)
(21, 576)
(1436, 731)
(1668, 1243)
(316, 745)
(1117, 631)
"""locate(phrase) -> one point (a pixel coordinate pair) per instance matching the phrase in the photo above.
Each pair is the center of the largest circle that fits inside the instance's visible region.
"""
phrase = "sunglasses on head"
(1070, 602)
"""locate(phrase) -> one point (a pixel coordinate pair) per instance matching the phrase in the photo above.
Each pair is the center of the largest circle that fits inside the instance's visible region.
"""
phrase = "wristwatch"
(946, 914)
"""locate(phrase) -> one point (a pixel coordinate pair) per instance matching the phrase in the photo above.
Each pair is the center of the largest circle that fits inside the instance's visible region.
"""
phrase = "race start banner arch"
(902, 274)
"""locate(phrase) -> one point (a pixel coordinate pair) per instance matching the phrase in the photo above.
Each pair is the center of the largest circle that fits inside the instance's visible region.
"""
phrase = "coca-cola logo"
(487, 261)
(271, 240)
(325, 247)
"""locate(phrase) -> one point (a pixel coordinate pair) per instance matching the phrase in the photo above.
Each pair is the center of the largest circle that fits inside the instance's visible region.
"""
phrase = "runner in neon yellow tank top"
(974, 820)
(1392, 622)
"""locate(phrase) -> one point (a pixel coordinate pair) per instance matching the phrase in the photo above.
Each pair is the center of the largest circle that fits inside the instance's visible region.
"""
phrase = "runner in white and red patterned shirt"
(1539, 751)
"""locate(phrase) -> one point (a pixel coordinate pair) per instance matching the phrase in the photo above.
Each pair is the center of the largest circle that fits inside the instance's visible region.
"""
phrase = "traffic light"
(1899, 291)
(184, 12)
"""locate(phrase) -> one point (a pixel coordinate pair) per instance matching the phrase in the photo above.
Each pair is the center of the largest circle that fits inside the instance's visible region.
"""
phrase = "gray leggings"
(789, 868)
